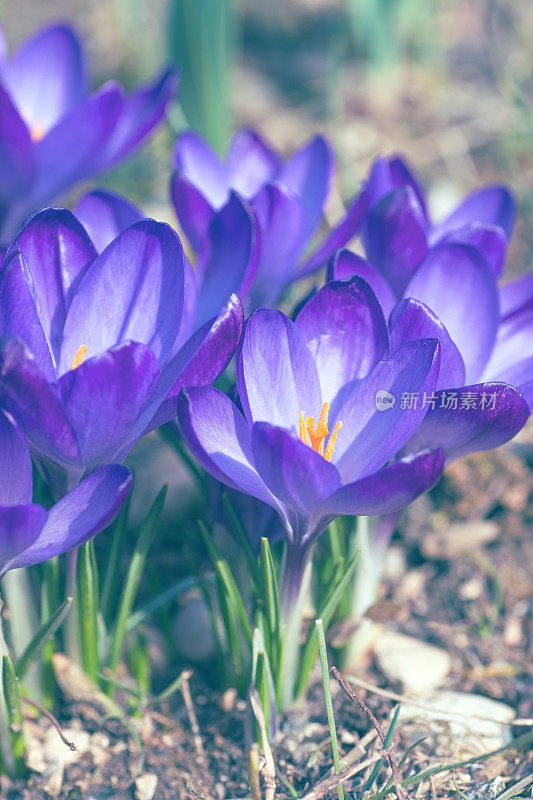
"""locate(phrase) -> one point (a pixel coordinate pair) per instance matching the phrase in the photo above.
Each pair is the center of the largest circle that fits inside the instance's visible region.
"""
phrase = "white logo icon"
(384, 400)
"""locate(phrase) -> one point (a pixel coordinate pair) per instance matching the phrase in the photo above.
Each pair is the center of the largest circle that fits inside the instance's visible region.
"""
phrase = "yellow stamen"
(317, 436)
(37, 132)
(332, 439)
(303, 433)
(78, 358)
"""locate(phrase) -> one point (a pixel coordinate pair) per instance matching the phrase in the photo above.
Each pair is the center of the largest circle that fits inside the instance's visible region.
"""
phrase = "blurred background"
(446, 82)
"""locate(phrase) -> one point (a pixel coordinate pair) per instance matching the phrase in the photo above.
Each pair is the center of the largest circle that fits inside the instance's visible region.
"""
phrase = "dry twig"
(191, 713)
(391, 758)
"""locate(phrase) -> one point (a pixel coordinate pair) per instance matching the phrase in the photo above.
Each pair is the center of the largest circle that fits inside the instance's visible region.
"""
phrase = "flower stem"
(17, 592)
(296, 575)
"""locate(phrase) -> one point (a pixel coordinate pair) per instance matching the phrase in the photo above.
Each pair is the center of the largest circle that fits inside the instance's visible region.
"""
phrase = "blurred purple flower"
(97, 347)
(29, 533)
(52, 132)
(286, 198)
(311, 442)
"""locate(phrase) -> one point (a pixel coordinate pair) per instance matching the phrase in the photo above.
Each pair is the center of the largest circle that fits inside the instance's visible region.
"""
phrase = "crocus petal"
(18, 311)
(345, 330)
(251, 163)
(514, 342)
(308, 173)
(133, 290)
(371, 434)
(219, 438)
(281, 221)
(104, 398)
(46, 77)
(141, 112)
(457, 284)
(17, 160)
(104, 215)
(70, 150)
(338, 236)
(20, 526)
(27, 395)
(80, 515)
(412, 320)
(520, 375)
(489, 239)
(345, 264)
(229, 258)
(57, 251)
(471, 418)
(192, 209)
(395, 237)
(388, 174)
(516, 294)
(16, 480)
(197, 161)
(493, 204)
(276, 373)
(295, 474)
(202, 358)
(384, 492)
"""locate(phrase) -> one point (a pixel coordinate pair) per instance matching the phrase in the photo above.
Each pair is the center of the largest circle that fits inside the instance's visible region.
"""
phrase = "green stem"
(17, 592)
(329, 704)
(296, 578)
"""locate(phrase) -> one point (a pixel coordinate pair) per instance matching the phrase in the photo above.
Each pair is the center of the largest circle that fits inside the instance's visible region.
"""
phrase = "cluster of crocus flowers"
(53, 133)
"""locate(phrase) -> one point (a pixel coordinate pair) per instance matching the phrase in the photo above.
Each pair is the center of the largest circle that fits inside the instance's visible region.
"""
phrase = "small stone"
(145, 786)
(56, 751)
(228, 700)
(478, 721)
(471, 589)
(459, 538)
(99, 748)
(418, 666)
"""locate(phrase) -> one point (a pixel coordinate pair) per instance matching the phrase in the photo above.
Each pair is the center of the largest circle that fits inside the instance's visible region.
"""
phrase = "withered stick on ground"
(347, 689)
(331, 783)
(50, 717)
(191, 713)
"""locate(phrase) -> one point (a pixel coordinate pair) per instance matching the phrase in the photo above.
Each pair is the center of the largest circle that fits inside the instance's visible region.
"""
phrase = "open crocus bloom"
(288, 199)
(29, 533)
(312, 441)
(398, 232)
(96, 347)
(52, 132)
(453, 296)
(227, 261)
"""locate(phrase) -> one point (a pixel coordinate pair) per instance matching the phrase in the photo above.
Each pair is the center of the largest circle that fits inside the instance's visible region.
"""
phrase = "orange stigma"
(317, 436)
(78, 358)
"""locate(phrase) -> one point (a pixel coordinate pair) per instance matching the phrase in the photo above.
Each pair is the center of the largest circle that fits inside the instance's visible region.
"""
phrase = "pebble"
(459, 538)
(145, 786)
(484, 726)
(419, 667)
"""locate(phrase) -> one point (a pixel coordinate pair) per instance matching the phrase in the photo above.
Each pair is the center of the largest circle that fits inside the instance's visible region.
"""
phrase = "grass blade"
(329, 704)
(388, 738)
(46, 632)
(133, 579)
(87, 602)
(14, 715)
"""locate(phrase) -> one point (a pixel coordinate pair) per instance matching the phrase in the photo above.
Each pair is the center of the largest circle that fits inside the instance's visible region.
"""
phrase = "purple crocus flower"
(453, 297)
(226, 263)
(398, 232)
(287, 198)
(97, 347)
(52, 132)
(312, 442)
(29, 533)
